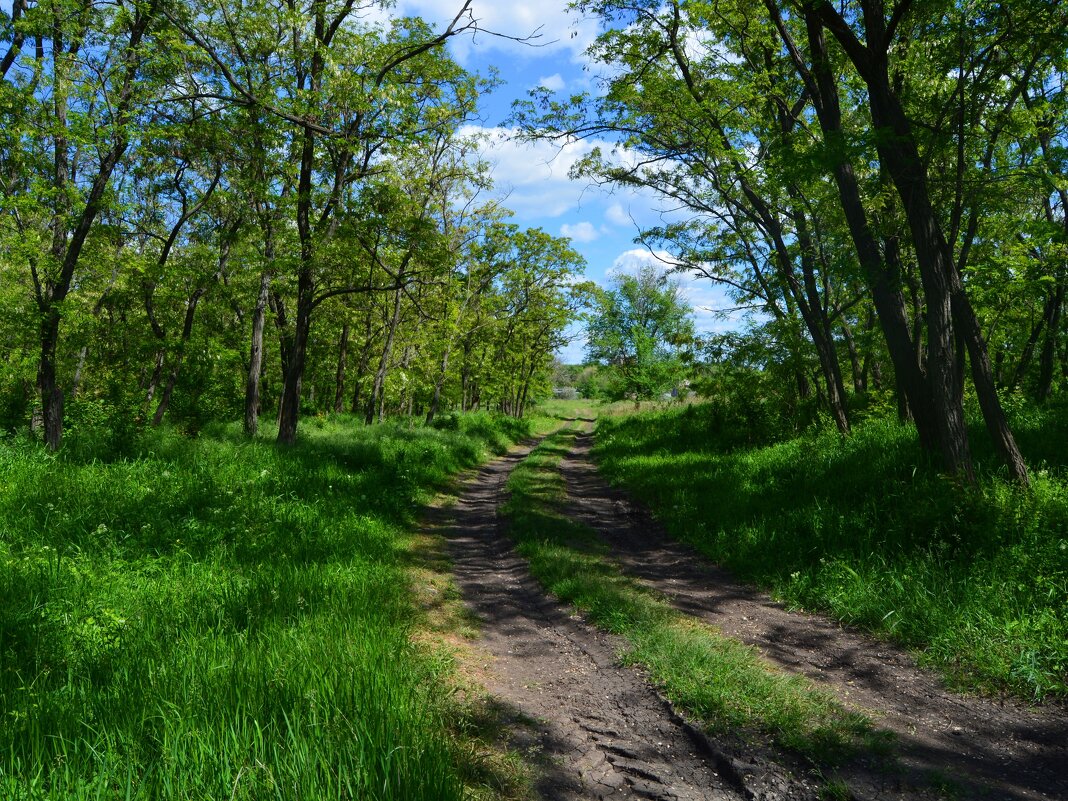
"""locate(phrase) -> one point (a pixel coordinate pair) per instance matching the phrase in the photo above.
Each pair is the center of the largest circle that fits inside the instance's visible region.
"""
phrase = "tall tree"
(638, 329)
(86, 77)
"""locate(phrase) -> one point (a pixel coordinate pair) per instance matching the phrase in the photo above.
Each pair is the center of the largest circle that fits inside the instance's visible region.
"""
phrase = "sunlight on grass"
(215, 618)
(865, 529)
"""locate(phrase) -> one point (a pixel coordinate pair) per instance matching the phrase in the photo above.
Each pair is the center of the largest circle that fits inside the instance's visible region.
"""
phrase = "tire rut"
(599, 729)
(987, 750)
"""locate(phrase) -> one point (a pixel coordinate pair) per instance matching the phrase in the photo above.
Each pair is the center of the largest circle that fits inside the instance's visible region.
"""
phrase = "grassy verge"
(865, 529)
(718, 680)
(216, 618)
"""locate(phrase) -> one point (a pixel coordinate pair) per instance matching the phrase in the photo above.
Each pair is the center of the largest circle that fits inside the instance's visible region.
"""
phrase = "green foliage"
(218, 618)
(639, 330)
(865, 528)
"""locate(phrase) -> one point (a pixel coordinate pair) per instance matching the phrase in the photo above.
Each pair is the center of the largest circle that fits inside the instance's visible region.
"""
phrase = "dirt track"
(599, 730)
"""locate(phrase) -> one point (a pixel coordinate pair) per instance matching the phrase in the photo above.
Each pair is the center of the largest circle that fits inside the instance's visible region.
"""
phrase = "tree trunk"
(361, 367)
(944, 292)
(1045, 362)
(289, 409)
(947, 301)
(172, 379)
(255, 359)
(882, 267)
(253, 382)
(68, 243)
(51, 393)
(983, 379)
(899, 156)
(339, 381)
(859, 380)
(436, 397)
(375, 404)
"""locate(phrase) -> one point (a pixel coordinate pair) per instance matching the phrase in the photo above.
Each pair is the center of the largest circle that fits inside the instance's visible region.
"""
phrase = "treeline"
(885, 184)
(261, 206)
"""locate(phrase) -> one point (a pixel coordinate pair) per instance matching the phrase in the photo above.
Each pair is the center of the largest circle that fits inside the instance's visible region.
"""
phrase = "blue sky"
(601, 224)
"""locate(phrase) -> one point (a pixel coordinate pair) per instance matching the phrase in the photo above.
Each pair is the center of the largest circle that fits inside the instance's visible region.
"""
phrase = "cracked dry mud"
(598, 730)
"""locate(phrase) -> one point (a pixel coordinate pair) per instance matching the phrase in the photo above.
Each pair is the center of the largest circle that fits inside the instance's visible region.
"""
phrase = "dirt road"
(599, 730)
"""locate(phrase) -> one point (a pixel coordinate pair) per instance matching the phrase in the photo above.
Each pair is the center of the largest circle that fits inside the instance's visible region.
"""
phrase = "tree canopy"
(639, 329)
(856, 170)
(221, 207)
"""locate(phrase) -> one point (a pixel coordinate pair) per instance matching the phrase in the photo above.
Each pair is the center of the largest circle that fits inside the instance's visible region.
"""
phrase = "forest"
(299, 500)
(210, 212)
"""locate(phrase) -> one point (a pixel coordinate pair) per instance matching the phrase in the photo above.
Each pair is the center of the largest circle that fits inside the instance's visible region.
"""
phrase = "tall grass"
(216, 618)
(866, 529)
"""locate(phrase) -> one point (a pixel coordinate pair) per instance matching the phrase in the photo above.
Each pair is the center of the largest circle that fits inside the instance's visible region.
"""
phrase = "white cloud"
(580, 232)
(629, 262)
(554, 82)
(617, 215)
(534, 175)
(556, 30)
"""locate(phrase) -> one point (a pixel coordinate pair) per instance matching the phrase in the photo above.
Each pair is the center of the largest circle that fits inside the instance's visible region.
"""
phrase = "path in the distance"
(601, 730)
(1000, 752)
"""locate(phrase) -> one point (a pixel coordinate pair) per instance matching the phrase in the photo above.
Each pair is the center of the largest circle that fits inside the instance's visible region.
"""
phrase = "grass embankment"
(720, 681)
(866, 529)
(216, 618)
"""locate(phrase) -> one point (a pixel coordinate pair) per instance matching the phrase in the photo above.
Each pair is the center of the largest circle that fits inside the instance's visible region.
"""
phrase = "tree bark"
(435, 399)
(172, 378)
(339, 381)
(1045, 362)
(67, 243)
(881, 268)
(947, 301)
(859, 378)
(361, 367)
(375, 404)
(289, 409)
(255, 359)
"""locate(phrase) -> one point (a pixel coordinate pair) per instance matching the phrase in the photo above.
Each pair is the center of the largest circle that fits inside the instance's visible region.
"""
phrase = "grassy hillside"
(865, 529)
(214, 618)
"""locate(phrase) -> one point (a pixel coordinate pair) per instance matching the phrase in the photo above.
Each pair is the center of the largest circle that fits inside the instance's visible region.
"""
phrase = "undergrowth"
(216, 618)
(865, 528)
(720, 681)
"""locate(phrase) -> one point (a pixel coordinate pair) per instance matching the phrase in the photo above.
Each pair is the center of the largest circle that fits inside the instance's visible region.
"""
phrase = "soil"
(597, 729)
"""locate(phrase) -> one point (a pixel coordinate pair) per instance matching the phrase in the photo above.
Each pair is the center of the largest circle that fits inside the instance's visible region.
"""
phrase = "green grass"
(865, 529)
(720, 681)
(215, 618)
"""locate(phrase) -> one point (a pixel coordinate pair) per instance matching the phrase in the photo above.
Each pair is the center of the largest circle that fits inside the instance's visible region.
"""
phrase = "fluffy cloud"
(580, 232)
(617, 215)
(534, 176)
(553, 83)
(555, 29)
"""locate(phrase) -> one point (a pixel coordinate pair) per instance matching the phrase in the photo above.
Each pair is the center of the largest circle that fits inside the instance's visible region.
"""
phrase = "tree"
(76, 103)
(639, 328)
(932, 120)
(350, 95)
